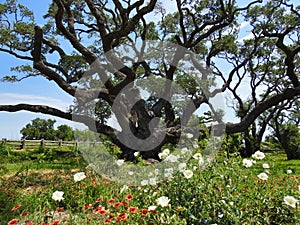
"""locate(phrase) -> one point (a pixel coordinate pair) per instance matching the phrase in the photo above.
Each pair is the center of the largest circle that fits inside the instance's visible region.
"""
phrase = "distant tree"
(65, 133)
(39, 129)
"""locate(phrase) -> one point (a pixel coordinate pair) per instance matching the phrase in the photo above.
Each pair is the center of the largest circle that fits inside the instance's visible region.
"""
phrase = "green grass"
(225, 193)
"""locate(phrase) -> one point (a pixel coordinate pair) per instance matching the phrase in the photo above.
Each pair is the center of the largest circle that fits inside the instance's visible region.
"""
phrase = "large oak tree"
(208, 28)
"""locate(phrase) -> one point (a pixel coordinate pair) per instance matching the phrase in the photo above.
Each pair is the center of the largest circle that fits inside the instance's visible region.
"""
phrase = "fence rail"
(21, 144)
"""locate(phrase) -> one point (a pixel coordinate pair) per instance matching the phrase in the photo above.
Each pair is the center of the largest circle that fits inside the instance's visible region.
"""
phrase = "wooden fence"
(22, 144)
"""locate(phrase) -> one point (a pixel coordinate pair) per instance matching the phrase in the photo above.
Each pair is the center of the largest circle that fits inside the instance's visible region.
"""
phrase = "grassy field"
(226, 192)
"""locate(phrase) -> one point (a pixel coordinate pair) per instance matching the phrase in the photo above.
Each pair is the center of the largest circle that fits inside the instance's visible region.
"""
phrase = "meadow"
(50, 186)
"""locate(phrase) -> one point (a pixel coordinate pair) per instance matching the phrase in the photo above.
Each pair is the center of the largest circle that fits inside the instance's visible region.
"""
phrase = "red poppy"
(107, 220)
(97, 210)
(111, 201)
(133, 209)
(24, 213)
(117, 204)
(89, 206)
(144, 212)
(15, 207)
(122, 217)
(12, 222)
(125, 204)
(129, 197)
(56, 222)
(31, 223)
(60, 209)
(98, 200)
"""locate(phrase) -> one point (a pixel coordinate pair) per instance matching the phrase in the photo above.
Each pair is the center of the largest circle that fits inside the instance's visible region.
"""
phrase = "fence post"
(59, 142)
(22, 145)
(3, 141)
(42, 142)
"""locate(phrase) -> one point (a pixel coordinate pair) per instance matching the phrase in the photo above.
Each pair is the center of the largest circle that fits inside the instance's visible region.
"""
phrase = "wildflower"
(195, 145)
(144, 212)
(171, 158)
(12, 222)
(117, 204)
(98, 200)
(58, 196)
(24, 213)
(163, 201)
(125, 203)
(129, 197)
(55, 222)
(132, 209)
(152, 181)
(266, 166)
(152, 208)
(79, 176)
(258, 155)
(122, 217)
(189, 135)
(290, 201)
(120, 162)
(188, 173)
(15, 207)
(60, 209)
(144, 182)
(110, 201)
(197, 156)
(182, 167)
(89, 206)
(263, 176)
(289, 171)
(184, 151)
(107, 220)
(136, 154)
(164, 153)
(247, 163)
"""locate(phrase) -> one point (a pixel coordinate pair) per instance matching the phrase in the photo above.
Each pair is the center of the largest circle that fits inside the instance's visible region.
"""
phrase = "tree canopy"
(97, 72)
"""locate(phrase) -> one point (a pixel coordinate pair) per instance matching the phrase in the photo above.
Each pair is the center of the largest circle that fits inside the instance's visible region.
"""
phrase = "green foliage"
(233, 144)
(44, 129)
(39, 129)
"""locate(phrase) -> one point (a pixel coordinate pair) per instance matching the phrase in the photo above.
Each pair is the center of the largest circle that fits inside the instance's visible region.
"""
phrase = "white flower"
(184, 150)
(166, 151)
(221, 215)
(79, 176)
(130, 173)
(231, 203)
(263, 176)
(169, 170)
(247, 163)
(188, 173)
(189, 135)
(197, 156)
(58, 196)
(290, 201)
(120, 162)
(152, 181)
(163, 201)
(266, 166)
(152, 207)
(136, 154)
(144, 182)
(289, 171)
(258, 155)
(168, 175)
(181, 167)
(195, 145)
(124, 188)
(171, 158)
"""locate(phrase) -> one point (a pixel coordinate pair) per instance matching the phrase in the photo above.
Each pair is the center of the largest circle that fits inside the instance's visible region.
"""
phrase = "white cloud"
(17, 98)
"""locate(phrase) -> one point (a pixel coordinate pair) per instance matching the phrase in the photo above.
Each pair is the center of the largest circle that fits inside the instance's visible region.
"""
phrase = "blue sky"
(38, 90)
